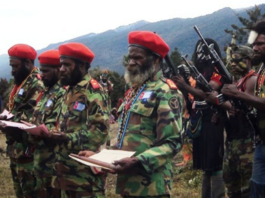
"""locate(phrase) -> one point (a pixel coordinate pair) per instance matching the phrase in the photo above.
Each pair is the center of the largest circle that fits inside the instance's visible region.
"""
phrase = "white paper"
(7, 114)
(33, 129)
(17, 125)
(105, 155)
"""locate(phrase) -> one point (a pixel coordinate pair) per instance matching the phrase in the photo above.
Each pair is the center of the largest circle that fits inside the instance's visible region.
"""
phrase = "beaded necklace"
(130, 99)
(15, 91)
(260, 80)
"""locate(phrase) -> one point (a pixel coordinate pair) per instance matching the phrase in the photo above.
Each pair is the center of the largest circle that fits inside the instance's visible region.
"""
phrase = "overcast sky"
(40, 23)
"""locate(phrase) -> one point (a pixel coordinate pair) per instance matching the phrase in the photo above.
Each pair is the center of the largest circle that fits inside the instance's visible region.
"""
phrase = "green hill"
(110, 46)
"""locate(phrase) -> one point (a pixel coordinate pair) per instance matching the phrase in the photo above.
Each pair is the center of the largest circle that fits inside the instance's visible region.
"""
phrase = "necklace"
(130, 99)
(15, 91)
(260, 80)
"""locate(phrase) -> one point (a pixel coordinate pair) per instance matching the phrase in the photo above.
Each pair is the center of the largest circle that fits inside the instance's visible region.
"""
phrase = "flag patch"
(79, 106)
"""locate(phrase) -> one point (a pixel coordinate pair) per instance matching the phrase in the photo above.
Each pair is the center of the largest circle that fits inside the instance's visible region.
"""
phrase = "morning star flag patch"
(145, 95)
(79, 106)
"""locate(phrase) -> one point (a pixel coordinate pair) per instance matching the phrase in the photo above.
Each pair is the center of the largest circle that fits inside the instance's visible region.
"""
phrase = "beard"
(256, 60)
(21, 75)
(72, 79)
(51, 82)
(137, 75)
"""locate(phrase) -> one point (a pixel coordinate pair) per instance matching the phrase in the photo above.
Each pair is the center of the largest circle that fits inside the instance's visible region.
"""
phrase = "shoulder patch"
(171, 84)
(173, 103)
(38, 76)
(94, 84)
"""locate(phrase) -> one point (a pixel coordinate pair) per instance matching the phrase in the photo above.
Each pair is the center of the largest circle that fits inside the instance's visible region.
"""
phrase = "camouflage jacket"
(24, 103)
(46, 112)
(85, 120)
(154, 123)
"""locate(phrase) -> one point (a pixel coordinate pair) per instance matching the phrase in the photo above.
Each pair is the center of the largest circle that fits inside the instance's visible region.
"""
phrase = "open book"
(31, 128)
(102, 159)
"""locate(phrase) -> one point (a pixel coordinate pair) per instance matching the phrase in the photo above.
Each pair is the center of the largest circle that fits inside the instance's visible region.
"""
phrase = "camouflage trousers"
(23, 178)
(159, 196)
(238, 167)
(44, 188)
(81, 194)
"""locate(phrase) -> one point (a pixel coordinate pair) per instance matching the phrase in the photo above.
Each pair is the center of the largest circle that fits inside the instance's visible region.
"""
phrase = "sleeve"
(26, 107)
(168, 128)
(95, 125)
(217, 78)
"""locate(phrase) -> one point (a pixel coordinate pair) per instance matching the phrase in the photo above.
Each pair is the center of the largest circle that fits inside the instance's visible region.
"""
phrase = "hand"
(3, 117)
(2, 125)
(86, 153)
(179, 80)
(230, 90)
(211, 97)
(58, 136)
(125, 165)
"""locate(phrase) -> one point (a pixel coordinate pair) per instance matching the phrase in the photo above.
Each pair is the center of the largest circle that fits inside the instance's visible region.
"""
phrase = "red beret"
(22, 51)
(77, 51)
(149, 40)
(50, 57)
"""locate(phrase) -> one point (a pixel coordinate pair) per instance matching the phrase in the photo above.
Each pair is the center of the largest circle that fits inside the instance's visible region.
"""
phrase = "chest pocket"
(142, 117)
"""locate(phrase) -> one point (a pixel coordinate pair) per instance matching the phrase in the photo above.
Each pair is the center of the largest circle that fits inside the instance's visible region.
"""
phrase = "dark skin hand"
(230, 90)
(182, 85)
(125, 165)
(86, 153)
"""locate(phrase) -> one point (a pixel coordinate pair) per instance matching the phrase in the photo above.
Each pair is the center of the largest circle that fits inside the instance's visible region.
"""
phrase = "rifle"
(171, 70)
(217, 61)
(204, 85)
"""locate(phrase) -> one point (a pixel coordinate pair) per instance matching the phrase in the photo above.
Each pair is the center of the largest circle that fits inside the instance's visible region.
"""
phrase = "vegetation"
(241, 32)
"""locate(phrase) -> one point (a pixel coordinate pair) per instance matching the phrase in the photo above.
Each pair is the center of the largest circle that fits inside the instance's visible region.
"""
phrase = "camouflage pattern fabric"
(153, 131)
(24, 104)
(237, 167)
(46, 112)
(85, 120)
(20, 153)
(72, 194)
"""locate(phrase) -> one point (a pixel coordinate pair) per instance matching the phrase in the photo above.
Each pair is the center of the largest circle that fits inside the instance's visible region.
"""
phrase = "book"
(104, 159)
(30, 128)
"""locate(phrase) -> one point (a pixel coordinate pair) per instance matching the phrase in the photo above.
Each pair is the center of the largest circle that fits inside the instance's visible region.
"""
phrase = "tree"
(176, 57)
(241, 33)
(117, 81)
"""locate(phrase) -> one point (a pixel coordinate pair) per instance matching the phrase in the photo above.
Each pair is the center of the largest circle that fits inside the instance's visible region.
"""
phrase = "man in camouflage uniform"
(47, 112)
(108, 88)
(83, 124)
(240, 132)
(21, 103)
(257, 40)
(150, 121)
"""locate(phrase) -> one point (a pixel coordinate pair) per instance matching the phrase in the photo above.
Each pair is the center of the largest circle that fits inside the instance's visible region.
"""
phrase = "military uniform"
(85, 120)
(239, 148)
(150, 124)
(21, 153)
(46, 112)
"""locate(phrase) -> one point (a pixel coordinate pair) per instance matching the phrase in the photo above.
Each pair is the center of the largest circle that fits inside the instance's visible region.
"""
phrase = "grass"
(186, 183)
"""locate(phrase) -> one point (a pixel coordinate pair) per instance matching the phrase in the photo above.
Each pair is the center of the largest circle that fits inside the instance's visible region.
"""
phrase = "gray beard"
(138, 78)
